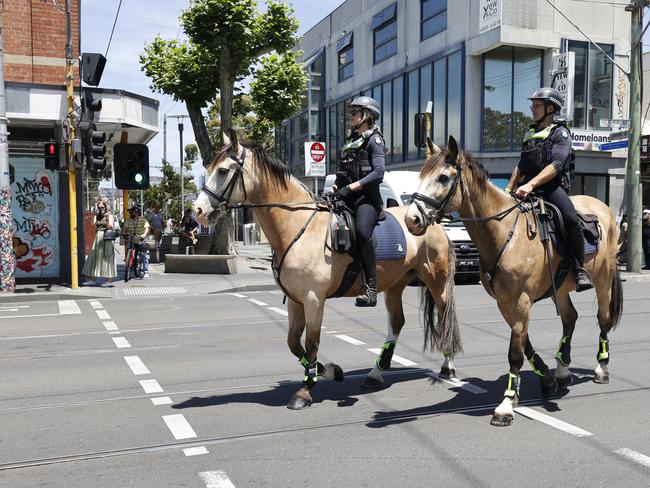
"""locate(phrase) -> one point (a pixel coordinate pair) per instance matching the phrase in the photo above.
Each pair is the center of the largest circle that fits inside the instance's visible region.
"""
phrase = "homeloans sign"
(588, 140)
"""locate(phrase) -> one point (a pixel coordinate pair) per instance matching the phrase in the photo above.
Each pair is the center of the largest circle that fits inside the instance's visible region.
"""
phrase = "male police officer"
(544, 167)
(361, 170)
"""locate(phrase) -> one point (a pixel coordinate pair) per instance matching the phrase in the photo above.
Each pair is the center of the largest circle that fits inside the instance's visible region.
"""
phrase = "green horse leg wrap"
(513, 385)
(563, 354)
(312, 371)
(538, 364)
(385, 356)
(603, 350)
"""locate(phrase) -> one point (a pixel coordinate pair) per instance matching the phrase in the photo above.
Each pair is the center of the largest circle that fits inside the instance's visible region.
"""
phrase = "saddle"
(387, 238)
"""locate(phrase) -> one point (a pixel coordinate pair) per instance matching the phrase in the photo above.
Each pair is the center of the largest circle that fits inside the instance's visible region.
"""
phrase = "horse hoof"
(447, 374)
(548, 386)
(338, 372)
(564, 382)
(601, 379)
(372, 383)
(299, 403)
(499, 420)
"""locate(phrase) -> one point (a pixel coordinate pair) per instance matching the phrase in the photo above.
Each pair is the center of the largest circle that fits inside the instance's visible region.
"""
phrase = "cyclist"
(137, 229)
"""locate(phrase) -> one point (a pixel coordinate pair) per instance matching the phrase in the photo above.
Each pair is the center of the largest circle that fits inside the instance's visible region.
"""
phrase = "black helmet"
(550, 95)
(369, 104)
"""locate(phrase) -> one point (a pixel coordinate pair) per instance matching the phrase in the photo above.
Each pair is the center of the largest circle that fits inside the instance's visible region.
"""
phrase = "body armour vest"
(355, 160)
(536, 155)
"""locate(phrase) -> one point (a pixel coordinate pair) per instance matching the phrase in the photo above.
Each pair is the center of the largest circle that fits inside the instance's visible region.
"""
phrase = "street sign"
(621, 134)
(315, 161)
(645, 149)
(610, 146)
(563, 72)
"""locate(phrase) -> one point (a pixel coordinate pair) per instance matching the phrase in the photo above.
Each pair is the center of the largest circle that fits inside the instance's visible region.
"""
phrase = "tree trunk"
(221, 242)
(200, 133)
(226, 89)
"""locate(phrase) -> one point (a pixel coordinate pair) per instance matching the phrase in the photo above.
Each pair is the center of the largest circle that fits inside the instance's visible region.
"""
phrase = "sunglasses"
(355, 111)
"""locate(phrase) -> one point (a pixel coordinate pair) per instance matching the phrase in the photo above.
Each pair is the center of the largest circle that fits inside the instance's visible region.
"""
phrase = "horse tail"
(443, 336)
(616, 301)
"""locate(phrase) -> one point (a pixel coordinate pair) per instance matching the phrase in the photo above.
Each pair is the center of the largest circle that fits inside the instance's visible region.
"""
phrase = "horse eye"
(443, 178)
(223, 171)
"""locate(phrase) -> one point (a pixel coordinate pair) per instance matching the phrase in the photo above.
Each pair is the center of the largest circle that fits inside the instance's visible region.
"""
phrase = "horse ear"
(452, 147)
(433, 149)
(226, 139)
(233, 139)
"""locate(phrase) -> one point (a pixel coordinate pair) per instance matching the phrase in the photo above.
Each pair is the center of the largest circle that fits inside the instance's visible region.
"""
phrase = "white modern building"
(478, 61)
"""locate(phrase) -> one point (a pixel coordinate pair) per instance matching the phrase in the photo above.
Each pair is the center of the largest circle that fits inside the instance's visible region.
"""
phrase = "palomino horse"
(309, 272)
(514, 268)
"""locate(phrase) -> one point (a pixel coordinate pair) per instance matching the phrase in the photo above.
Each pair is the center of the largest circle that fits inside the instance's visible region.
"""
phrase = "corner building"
(478, 61)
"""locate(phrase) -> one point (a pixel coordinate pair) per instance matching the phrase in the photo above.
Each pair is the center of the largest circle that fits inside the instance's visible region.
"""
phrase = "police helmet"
(369, 104)
(550, 95)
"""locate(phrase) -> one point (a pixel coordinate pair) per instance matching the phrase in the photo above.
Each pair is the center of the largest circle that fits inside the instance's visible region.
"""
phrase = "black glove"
(343, 192)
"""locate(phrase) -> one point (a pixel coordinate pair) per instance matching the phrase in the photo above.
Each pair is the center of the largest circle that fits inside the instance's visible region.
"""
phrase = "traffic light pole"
(72, 169)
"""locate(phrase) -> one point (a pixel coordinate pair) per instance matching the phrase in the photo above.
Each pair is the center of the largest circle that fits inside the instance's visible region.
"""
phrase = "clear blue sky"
(139, 21)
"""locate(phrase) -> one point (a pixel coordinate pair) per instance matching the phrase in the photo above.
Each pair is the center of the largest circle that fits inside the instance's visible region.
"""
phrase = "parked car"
(397, 190)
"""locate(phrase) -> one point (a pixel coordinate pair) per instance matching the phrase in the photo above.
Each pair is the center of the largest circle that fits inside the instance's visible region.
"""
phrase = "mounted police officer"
(546, 166)
(360, 171)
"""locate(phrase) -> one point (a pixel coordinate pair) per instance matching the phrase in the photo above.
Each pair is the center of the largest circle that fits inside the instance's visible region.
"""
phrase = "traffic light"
(95, 149)
(131, 166)
(51, 154)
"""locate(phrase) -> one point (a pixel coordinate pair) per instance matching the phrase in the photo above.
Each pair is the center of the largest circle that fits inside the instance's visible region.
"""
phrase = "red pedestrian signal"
(51, 155)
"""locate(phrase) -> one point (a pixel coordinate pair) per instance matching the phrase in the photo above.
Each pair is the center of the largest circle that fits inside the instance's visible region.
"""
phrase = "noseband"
(431, 216)
(221, 201)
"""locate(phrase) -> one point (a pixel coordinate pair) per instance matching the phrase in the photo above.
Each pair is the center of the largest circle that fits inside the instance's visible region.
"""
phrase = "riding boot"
(577, 244)
(368, 295)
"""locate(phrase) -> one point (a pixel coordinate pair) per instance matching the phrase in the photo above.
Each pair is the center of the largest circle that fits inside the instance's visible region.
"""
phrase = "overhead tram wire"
(113, 30)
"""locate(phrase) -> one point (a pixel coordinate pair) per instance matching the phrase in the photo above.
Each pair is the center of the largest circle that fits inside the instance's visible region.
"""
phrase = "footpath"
(253, 274)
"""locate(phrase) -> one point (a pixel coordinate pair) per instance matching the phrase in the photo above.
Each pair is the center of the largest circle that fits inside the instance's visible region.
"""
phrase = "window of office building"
(594, 75)
(345, 50)
(433, 17)
(384, 34)
(510, 76)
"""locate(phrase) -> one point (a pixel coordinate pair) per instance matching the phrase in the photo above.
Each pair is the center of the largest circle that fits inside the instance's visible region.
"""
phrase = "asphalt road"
(190, 391)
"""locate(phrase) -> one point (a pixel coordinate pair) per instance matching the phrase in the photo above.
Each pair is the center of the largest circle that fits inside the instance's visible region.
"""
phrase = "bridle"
(221, 201)
(429, 217)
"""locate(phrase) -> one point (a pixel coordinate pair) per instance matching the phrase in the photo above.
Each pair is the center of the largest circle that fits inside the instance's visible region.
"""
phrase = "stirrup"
(583, 280)
(367, 297)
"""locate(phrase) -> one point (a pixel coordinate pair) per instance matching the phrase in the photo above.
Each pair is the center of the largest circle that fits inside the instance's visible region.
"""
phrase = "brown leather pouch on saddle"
(341, 235)
(590, 227)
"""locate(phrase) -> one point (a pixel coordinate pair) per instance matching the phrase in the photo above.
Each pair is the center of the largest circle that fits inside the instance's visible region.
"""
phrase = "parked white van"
(397, 190)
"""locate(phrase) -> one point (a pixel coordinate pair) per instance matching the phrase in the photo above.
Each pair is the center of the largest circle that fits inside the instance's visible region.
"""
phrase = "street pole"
(72, 169)
(165, 138)
(427, 153)
(632, 185)
(180, 133)
(7, 257)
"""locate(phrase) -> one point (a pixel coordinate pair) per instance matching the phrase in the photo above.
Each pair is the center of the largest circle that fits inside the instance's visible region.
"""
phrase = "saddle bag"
(590, 227)
(341, 236)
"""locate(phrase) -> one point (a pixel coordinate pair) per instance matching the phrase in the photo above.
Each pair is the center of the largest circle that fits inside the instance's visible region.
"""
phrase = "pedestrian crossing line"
(216, 479)
(103, 314)
(121, 342)
(279, 310)
(553, 422)
(396, 358)
(136, 365)
(637, 457)
(179, 426)
(95, 304)
(195, 451)
(238, 295)
(151, 386)
(161, 401)
(110, 325)
(477, 390)
(257, 302)
(349, 339)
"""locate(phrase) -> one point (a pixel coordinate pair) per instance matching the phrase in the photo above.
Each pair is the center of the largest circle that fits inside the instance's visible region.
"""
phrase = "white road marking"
(637, 457)
(95, 304)
(136, 365)
(257, 302)
(349, 339)
(110, 325)
(13, 307)
(103, 314)
(121, 342)
(9, 309)
(216, 479)
(151, 386)
(548, 420)
(396, 358)
(477, 390)
(331, 332)
(196, 451)
(179, 426)
(161, 401)
(279, 310)
(238, 295)
(68, 307)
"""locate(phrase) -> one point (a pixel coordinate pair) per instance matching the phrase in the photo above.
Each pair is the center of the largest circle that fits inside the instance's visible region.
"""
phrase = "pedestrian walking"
(156, 222)
(101, 260)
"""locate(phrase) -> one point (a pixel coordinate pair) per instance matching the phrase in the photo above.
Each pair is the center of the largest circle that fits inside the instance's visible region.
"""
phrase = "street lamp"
(180, 133)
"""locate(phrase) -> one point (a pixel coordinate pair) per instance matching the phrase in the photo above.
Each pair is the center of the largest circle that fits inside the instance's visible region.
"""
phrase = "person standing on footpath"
(101, 260)
(156, 222)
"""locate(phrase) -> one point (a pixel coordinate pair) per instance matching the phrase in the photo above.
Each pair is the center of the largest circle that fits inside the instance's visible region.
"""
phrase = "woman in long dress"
(101, 260)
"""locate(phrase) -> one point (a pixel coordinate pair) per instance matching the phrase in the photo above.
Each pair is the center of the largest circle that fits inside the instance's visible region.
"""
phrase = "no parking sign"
(315, 159)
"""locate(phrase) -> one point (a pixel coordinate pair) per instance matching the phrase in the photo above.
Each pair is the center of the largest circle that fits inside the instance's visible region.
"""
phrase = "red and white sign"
(315, 160)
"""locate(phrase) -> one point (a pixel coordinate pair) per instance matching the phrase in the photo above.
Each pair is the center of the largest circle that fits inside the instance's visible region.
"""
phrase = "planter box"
(200, 264)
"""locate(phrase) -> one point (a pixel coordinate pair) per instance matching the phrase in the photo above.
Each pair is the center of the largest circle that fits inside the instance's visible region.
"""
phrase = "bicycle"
(132, 264)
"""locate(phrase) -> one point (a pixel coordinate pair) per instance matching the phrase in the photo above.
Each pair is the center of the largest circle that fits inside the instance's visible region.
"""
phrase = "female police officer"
(543, 165)
(361, 170)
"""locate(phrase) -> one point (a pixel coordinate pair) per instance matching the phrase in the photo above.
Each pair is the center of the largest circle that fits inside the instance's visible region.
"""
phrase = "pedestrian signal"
(51, 154)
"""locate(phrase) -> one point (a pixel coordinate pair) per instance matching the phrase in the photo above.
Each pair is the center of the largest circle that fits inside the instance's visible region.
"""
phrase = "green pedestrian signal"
(131, 166)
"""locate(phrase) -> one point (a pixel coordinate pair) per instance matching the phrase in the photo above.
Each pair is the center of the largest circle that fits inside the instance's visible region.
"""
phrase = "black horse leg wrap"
(312, 370)
(563, 354)
(538, 364)
(603, 350)
(386, 355)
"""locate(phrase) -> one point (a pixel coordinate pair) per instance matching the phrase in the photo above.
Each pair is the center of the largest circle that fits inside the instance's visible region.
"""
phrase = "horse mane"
(480, 175)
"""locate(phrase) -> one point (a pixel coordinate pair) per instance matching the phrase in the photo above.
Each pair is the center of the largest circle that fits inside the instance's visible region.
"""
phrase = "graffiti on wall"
(35, 219)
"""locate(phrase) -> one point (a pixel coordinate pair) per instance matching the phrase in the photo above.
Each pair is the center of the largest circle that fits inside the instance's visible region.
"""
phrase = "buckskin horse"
(514, 268)
(309, 272)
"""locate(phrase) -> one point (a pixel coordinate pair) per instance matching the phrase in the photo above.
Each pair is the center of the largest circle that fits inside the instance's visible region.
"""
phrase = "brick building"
(34, 39)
